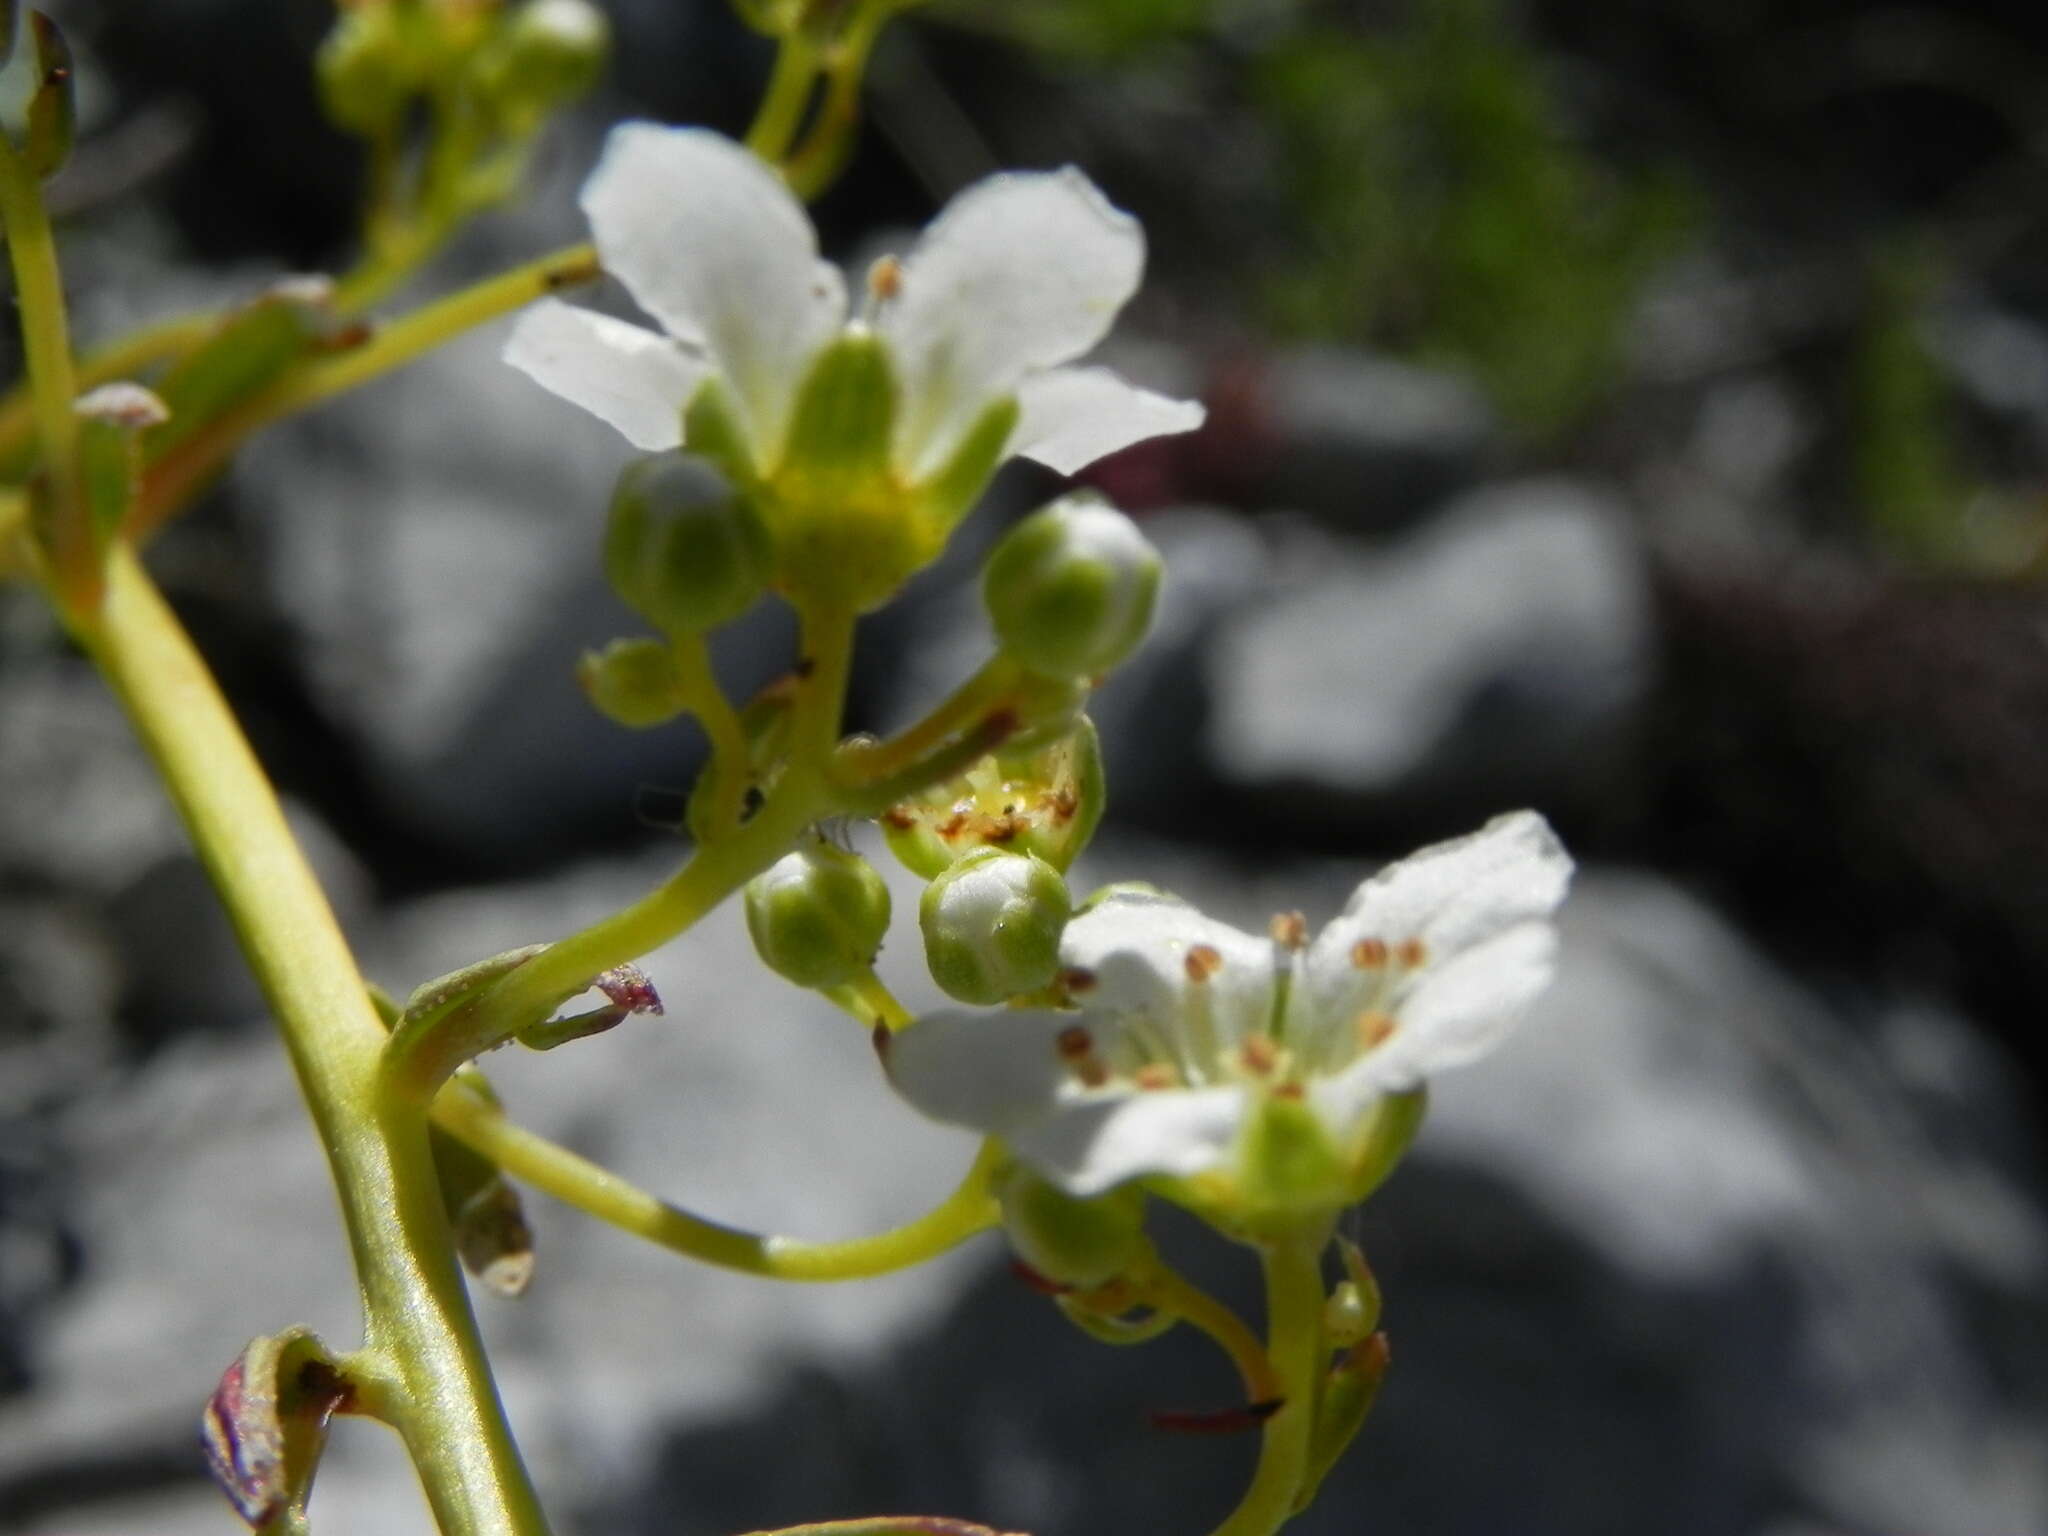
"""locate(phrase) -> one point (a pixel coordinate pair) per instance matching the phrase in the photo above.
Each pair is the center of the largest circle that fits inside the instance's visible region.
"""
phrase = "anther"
(1203, 961)
(1289, 930)
(1075, 979)
(1077, 1049)
(1373, 1029)
(885, 279)
(1411, 953)
(1156, 1074)
(1258, 1053)
(1369, 954)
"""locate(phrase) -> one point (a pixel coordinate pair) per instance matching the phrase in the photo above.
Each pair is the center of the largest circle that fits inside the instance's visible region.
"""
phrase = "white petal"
(1073, 416)
(1449, 899)
(1456, 1014)
(1136, 946)
(1001, 1073)
(709, 241)
(1087, 1148)
(634, 379)
(992, 1071)
(1019, 273)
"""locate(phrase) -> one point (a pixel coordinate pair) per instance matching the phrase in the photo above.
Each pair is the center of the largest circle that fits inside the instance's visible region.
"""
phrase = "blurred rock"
(1853, 759)
(1358, 440)
(182, 966)
(83, 811)
(1493, 656)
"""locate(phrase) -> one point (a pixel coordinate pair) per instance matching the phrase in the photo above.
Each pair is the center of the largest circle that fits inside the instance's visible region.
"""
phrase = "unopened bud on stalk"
(682, 548)
(363, 70)
(818, 916)
(992, 925)
(547, 53)
(633, 682)
(1081, 1243)
(1071, 589)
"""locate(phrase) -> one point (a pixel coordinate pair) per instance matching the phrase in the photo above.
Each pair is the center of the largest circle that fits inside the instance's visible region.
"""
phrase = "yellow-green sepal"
(1388, 1132)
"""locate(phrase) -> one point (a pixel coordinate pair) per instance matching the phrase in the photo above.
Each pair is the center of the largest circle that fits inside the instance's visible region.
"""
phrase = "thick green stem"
(577, 1181)
(419, 1323)
(1294, 1335)
(782, 105)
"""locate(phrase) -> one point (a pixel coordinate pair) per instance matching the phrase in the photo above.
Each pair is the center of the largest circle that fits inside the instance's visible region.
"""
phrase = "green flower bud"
(818, 916)
(545, 55)
(682, 548)
(363, 70)
(1045, 802)
(1352, 1312)
(992, 925)
(1082, 1243)
(634, 682)
(1071, 588)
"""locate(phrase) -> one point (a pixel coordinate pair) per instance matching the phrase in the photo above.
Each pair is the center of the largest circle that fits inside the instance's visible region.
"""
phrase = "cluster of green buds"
(512, 65)
(474, 81)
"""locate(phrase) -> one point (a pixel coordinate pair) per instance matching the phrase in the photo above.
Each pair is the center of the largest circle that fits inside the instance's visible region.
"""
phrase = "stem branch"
(599, 1192)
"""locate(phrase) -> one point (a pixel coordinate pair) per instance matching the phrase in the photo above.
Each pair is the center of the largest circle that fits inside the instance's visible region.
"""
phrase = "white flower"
(1184, 1027)
(1021, 273)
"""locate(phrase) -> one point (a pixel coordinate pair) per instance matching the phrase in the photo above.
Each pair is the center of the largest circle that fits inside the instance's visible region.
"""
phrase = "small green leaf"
(52, 109)
(251, 350)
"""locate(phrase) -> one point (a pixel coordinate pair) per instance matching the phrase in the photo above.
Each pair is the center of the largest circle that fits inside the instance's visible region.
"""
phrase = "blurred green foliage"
(1909, 482)
(1447, 211)
(1439, 203)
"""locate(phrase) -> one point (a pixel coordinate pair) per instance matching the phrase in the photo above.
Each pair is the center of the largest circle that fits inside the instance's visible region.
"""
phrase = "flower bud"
(992, 925)
(633, 682)
(363, 70)
(818, 916)
(682, 548)
(1081, 1243)
(547, 53)
(1352, 1312)
(1045, 802)
(1071, 588)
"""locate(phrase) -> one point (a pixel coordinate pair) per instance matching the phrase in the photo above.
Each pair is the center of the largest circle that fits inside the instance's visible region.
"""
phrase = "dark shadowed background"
(1636, 412)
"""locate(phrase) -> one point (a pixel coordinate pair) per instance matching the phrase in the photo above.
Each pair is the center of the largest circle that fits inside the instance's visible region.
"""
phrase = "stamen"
(1077, 1049)
(1292, 1092)
(1289, 930)
(1202, 962)
(1075, 980)
(1258, 1053)
(1369, 954)
(1373, 1027)
(1411, 954)
(885, 279)
(1156, 1074)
